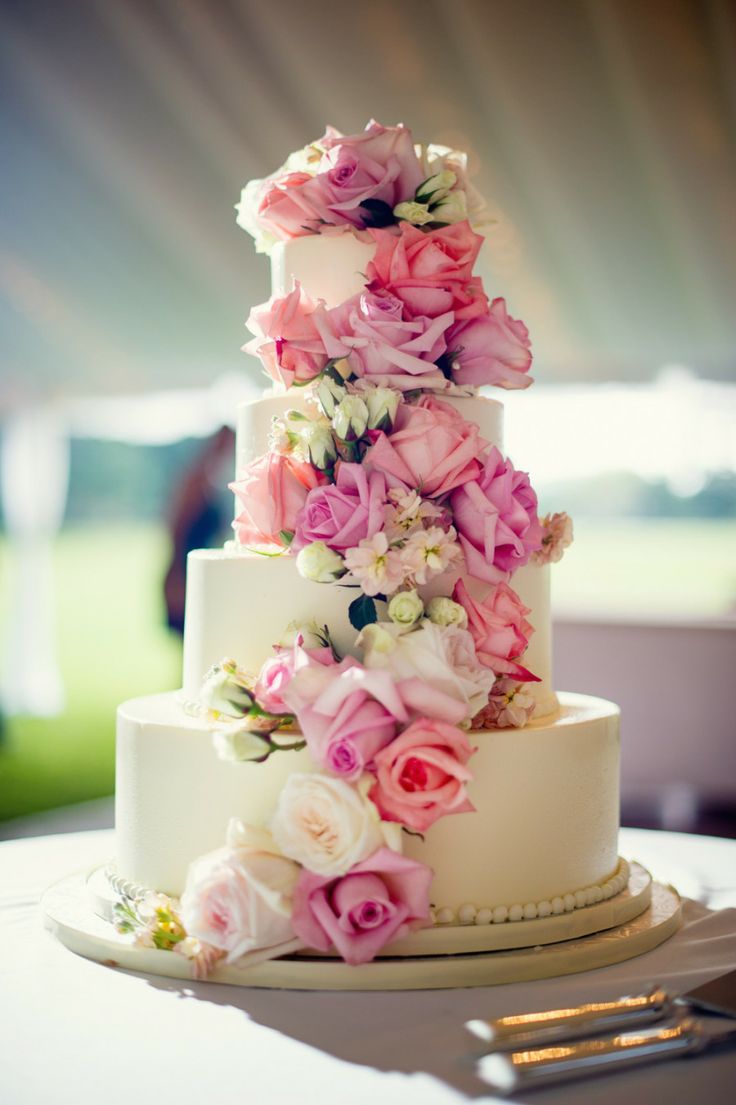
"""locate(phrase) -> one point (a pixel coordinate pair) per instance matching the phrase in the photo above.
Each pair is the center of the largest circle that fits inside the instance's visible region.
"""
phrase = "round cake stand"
(68, 914)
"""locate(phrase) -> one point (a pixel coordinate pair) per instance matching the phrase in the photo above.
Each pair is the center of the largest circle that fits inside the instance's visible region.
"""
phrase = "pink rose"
(351, 716)
(287, 340)
(430, 449)
(430, 271)
(421, 775)
(238, 900)
(379, 164)
(499, 629)
(384, 348)
(377, 901)
(490, 349)
(272, 490)
(288, 206)
(496, 519)
(343, 513)
(278, 671)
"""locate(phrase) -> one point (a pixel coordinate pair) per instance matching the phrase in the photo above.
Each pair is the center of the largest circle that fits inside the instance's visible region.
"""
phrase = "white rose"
(238, 900)
(350, 419)
(236, 744)
(309, 634)
(379, 640)
(405, 608)
(436, 187)
(225, 690)
(418, 214)
(247, 217)
(318, 562)
(320, 444)
(445, 611)
(444, 657)
(452, 209)
(326, 824)
(382, 404)
(329, 393)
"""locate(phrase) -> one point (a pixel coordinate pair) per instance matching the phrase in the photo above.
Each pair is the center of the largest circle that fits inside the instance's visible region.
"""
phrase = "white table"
(72, 1031)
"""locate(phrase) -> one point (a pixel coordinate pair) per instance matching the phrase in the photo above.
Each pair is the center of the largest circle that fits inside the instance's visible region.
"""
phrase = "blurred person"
(196, 517)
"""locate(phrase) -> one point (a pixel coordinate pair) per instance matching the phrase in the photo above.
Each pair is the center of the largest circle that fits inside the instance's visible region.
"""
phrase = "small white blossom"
(377, 568)
(428, 552)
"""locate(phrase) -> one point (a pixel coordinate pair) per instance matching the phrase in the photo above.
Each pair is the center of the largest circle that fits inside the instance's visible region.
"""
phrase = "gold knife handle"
(506, 1033)
(522, 1070)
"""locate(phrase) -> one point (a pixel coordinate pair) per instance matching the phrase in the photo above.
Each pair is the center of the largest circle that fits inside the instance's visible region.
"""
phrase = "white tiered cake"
(488, 799)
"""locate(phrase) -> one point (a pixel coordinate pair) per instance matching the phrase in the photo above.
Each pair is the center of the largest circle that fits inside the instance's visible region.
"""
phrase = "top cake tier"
(328, 266)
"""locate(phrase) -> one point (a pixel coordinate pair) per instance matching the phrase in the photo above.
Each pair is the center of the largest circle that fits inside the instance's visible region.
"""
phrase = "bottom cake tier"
(542, 839)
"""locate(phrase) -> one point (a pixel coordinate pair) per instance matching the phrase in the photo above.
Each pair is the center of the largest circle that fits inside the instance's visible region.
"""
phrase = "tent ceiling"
(604, 133)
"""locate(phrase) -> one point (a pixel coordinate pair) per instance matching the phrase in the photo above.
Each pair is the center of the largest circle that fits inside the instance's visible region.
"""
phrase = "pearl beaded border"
(469, 914)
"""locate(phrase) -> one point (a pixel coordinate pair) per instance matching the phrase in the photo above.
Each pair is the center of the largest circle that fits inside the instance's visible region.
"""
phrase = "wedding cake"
(368, 746)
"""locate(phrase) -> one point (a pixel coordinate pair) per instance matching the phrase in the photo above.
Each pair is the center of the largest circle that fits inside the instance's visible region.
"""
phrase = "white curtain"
(35, 476)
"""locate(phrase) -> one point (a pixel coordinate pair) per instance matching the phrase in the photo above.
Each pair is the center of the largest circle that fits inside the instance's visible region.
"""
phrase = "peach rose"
(431, 449)
(272, 490)
(421, 775)
(490, 349)
(430, 271)
(287, 341)
(499, 629)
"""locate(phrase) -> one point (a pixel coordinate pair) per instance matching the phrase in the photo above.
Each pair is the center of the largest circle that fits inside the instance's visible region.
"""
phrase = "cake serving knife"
(557, 1025)
(520, 1071)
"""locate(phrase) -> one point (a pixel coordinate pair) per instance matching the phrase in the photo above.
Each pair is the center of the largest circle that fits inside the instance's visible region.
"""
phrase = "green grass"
(113, 643)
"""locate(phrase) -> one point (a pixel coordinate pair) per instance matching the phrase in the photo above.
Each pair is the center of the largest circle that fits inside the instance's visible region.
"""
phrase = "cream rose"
(238, 899)
(328, 825)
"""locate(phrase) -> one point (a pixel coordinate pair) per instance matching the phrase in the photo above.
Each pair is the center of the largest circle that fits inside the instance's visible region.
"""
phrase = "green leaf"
(287, 536)
(362, 612)
(378, 213)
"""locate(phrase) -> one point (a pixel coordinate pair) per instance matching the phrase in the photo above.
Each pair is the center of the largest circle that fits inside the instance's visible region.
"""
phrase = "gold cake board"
(653, 916)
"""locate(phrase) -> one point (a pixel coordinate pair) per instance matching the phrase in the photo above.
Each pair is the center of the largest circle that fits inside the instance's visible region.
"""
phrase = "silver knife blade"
(518, 1071)
(555, 1025)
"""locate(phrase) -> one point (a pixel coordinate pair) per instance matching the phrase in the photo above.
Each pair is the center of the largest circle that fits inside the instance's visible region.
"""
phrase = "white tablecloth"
(73, 1031)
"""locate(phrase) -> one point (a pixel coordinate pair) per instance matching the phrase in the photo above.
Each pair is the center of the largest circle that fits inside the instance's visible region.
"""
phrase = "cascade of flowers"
(374, 483)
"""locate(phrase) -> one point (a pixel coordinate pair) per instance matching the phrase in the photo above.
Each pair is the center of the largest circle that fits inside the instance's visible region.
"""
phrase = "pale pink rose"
(496, 519)
(278, 671)
(272, 490)
(383, 348)
(556, 537)
(430, 271)
(289, 206)
(287, 339)
(377, 901)
(499, 629)
(510, 706)
(355, 713)
(376, 567)
(431, 449)
(344, 513)
(490, 349)
(239, 900)
(442, 657)
(379, 164)
(421, 775)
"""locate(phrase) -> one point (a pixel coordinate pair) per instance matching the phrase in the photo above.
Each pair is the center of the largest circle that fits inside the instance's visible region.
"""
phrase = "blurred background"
(603, 133)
